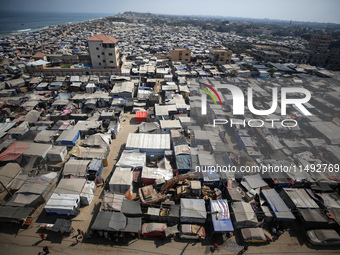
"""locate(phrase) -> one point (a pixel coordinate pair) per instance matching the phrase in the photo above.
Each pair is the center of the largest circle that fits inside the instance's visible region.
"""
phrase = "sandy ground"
(15, 240)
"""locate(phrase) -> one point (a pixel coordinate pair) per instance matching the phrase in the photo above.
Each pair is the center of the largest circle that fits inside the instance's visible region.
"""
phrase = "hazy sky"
(299, 10)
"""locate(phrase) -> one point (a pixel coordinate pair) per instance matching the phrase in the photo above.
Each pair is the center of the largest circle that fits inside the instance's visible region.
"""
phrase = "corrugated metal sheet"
(148, 141)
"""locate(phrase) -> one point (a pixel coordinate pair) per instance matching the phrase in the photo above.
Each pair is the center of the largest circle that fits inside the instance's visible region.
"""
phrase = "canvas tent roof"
(32, 116)
(38, 149)
(253, 181)
(193, 210)
(112, 202)
(9, 213)
(70, 186)
(116, 221)
(280, 209)
(120, 181)
(44, 136)
(76, 167)
(94, 140)
(69, 135)
(131, 208)
(90, 152)
(34, 189)
(244, 214)
(8, 174)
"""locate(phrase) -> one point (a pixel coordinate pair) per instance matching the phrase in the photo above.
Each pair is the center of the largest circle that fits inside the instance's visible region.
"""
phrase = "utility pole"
(6, 188)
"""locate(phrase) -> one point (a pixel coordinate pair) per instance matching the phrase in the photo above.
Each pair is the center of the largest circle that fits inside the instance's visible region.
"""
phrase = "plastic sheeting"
(63, 204)
(193, 210)
(120, 181)
(221, 216)
(132, 159)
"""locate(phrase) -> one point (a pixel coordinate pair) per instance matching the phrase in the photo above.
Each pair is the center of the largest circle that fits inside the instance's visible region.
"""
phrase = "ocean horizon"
(16, 22)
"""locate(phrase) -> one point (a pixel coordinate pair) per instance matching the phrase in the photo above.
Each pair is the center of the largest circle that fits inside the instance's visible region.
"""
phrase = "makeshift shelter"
(32, 117)
(220, 215)
(112, 202)
(253, 182)
(183, 163)
(95, 141)
(13, 152)
(44, 136)
(76, 168)
(297, 198)
(63, 204)
(193, 211)
(312, 218)
(68, 138)
(253, 235)
(115, 222)
(15, 214)
(95, 168)
(37, 150)
(151, 144)
(70, 186)
(131, 208)
(149, 175)
(148, 127)
(35, 191)
(121, 181)
(57, 153)
(132, 158)
(8, 173)
(279, 208)
(91, 153)
(244, 215)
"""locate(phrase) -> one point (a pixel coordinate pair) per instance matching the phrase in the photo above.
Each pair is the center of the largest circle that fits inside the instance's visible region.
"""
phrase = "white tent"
(63, 204)
(120, 181)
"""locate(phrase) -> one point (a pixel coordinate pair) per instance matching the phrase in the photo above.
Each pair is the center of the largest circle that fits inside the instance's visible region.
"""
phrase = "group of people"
(277, 230)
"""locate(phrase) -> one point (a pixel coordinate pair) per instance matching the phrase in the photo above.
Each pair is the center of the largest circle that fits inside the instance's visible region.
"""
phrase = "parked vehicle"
(323, 237)
(154, 229)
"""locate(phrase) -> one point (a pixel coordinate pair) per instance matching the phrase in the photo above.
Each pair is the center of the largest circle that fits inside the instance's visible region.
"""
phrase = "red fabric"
(14, 151)
(141, 116)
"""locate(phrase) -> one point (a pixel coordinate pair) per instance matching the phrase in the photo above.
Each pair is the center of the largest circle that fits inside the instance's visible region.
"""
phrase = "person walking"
(42, 235)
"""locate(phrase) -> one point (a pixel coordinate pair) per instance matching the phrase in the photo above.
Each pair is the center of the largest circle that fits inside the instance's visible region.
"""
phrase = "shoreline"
(33, 29)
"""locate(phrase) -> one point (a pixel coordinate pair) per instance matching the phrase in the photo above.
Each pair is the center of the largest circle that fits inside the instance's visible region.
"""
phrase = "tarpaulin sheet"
(14, 151)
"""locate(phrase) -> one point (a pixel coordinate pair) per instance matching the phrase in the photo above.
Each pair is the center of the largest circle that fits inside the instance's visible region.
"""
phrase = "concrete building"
(320, 43)
(104, 51)
(220, 56)
(180, 54)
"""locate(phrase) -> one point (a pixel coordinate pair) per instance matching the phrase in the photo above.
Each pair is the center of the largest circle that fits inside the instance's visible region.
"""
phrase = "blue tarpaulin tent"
(279, 208)
(220, 215)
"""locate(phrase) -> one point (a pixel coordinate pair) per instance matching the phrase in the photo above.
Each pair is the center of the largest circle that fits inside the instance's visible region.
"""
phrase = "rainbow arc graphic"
(206, 88)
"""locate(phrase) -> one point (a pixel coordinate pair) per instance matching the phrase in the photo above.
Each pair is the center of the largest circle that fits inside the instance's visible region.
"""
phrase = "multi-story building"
(180, 54)
(294, 56)
(220, 56)
(104, 51)
(320, 43)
